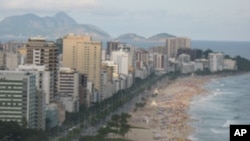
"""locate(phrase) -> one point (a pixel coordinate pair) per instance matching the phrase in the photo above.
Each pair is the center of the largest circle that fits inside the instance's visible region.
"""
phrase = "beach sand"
(165, 116)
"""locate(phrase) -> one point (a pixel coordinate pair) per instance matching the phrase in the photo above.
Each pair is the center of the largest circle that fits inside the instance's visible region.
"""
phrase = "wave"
(229, 122)
(219, 131)
(192, 137)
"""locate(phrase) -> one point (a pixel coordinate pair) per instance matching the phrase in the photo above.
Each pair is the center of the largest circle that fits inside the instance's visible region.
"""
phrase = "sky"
(197, 19)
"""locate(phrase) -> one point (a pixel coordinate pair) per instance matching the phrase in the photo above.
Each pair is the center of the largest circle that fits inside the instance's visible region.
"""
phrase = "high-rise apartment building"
(68, 88)
(42, 52)
(121, 58)
(112, 46)
(160, 62)
(84, 55)
(43, 78)
(131, 50)
(173, 44)
(2, 60)
(216, 62)
(159, 49)
(17, 97)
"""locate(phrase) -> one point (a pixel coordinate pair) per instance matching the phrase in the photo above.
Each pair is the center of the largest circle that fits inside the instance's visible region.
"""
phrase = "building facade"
(160, 63)
(42, 52)
(173, 44)
(43, 79)
(121, 58)
(216, 62)
(68, 88)
(112, 46)
(230, 64)
(2, 60)
(84, 55)
(17, 98)
(12, 60)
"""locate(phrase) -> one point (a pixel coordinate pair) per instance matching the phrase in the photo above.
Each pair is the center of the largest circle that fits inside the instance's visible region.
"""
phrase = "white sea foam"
(192, 137)
(222, 85)
(219, 131)
(228, 123)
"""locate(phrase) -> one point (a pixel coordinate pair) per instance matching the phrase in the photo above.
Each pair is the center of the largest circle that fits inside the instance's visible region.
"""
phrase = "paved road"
(127, 107)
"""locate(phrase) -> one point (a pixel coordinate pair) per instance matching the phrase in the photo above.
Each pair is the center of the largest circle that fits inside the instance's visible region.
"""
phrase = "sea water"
(232, 48)
(227, 102)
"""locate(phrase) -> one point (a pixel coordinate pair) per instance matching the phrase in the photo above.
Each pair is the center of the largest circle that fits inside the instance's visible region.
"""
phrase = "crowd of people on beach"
(165, 116)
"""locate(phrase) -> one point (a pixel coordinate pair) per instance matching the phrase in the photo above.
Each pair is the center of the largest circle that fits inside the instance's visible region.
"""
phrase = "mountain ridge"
(59, 25)
(56, 26)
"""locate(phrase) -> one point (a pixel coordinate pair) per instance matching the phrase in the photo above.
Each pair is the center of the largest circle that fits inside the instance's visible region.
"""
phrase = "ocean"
(227, 102)
(232, 48)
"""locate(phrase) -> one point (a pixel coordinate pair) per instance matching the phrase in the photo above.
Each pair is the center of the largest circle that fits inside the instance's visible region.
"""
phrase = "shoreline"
(165, 116)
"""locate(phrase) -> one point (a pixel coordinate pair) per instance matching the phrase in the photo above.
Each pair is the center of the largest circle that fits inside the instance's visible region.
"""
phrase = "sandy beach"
(165, 115)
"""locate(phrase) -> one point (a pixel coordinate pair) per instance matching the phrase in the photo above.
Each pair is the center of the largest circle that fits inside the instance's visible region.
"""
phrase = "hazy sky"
(198, 19)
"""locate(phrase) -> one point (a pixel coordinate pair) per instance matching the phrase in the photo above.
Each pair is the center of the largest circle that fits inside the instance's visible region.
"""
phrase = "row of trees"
(99, 111)
(12, 131)
(118, 125)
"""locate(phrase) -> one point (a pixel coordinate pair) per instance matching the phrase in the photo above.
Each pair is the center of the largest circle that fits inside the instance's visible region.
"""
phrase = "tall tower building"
(42, 52)
(112, 46)
(216, 62)
(173, 44)
(84, 55)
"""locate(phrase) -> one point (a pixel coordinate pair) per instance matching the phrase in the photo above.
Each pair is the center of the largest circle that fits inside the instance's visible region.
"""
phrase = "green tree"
(206, 53)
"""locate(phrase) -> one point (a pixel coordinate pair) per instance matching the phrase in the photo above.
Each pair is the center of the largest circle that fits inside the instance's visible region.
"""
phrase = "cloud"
(51, 5)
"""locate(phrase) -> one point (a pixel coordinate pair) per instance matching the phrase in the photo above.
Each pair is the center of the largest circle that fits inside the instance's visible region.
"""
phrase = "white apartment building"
(131, 51)
(121, 58)
(68, 88)
(216, 62)
(184, 58)
(43, 78)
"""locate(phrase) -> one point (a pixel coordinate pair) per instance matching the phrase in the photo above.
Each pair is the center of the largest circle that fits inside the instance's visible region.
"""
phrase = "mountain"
(28, 25)
(160, 37)
(130, 36)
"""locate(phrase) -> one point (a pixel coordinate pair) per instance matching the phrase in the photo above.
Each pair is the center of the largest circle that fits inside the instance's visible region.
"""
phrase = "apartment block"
(43, 78)
(68, 88)
(216, 62)
(12, 60)
(84, 55)
(42, 52)
(173, 44)
(230, 64)
(121, 58)
(17, 98)
(112, 46)
(2, 60)
(160, 63)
